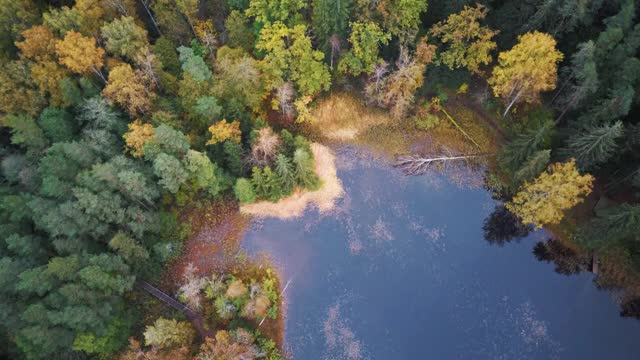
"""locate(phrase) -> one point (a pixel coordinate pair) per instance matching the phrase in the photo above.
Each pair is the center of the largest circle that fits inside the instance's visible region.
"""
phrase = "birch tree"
(526, 70)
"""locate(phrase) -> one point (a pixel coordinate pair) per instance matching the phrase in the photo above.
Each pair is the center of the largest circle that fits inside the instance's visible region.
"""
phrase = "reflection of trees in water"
(566, 260)
(630, 308)
(501, 227)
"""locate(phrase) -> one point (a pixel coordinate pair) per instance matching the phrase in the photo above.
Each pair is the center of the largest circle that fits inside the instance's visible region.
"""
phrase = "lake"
(401, 270)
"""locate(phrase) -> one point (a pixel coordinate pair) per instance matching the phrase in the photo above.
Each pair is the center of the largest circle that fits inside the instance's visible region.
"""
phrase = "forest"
(117, 116)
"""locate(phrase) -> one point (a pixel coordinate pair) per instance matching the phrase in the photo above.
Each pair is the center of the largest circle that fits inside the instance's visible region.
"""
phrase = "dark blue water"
(401, 270)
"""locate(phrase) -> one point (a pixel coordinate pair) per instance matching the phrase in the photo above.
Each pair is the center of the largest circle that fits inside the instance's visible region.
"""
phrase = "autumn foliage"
(545, 200)
(79, 53)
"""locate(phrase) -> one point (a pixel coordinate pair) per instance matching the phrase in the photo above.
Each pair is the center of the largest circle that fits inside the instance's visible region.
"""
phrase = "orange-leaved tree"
(38, 43)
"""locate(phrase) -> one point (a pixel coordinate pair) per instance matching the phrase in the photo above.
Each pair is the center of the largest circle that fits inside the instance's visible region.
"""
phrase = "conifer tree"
(595, 145)
(305, 173)
(272, 183)
(535, 164)
(612, 226)
(259, 183)
(330, 18)
(286, 173)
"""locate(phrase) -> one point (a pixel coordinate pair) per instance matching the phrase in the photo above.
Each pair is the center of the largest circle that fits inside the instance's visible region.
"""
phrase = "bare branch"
(419, 164)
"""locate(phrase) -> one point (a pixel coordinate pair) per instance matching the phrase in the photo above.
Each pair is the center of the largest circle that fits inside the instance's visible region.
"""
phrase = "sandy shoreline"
(295, 204)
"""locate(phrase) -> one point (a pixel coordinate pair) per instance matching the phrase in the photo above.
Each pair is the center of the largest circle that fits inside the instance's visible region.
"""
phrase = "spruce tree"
(259, 183)
(330, 17)
(595, 145)
(286, 173)
(305, 173)
(273, 184)
(612, 226)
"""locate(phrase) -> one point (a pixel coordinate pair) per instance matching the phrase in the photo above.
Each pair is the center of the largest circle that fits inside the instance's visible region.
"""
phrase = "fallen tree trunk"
(418, 164)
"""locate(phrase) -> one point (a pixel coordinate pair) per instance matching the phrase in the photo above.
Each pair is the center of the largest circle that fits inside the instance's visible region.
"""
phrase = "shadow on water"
(399, 270)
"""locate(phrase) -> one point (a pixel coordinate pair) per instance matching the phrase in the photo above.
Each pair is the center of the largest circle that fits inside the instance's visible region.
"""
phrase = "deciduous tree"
(268, 11)
(243, 189)
(47, 76)
(468, 43)
(15, 17)
(238, 78)
(124, 38)
(18, 92)
(80, 54)
(289, 56)
(365, 39)
(127, 247)
(167, 333)
(128, 90)
(264, 147)
(194, 65)
(400, 86)
(222, 131)
(38, 43)
(137, 136)
(526, 70)
(545, 200)
(402, 18)
(63, 19)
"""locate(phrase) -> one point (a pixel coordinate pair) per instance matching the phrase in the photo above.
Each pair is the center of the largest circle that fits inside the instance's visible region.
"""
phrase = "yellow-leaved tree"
(137, 136)
(526, 70)
(128, 89)
(46, 75)
(544, 200)
(467, 43)
(80, 54)
(223, 131)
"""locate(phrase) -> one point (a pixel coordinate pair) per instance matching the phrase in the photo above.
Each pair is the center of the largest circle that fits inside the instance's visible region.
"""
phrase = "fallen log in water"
(418, 164)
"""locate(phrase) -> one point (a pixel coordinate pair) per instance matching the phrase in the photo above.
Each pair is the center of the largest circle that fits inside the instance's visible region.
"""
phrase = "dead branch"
(419, 164)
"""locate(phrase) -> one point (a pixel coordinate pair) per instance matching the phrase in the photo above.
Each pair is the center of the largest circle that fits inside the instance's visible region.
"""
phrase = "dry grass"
(294, 205)
(343, 117)
(217, 230)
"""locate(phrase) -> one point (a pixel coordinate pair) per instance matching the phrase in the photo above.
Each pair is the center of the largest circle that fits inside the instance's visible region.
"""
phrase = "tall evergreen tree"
(595, 145)
(330, 18)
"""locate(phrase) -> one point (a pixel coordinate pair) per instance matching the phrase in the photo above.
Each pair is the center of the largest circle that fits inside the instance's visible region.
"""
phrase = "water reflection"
(566, 260)
(399, 270)
(501, 226)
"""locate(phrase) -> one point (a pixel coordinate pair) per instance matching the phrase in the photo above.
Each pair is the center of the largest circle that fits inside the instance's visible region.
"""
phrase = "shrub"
(244, 191)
